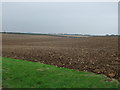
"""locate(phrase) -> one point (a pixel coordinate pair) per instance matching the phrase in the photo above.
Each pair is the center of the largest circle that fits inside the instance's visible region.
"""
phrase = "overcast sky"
(69, 17)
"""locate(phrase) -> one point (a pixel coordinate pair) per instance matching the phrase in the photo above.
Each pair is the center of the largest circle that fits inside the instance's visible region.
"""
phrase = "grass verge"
(26, 74)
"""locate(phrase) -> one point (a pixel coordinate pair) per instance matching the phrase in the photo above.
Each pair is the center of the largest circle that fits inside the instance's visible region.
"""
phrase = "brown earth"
(93, 54)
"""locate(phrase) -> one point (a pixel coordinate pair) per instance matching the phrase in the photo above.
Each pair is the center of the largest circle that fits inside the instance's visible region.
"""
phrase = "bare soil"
(92, 54)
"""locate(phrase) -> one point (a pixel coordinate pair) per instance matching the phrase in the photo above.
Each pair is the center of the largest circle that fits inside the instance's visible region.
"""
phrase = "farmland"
(89, 54)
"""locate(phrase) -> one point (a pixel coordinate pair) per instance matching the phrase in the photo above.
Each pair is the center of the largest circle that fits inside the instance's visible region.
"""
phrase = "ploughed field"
(92, 54)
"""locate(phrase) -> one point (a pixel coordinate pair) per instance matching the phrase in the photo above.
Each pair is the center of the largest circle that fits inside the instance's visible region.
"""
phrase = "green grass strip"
(26, 74)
